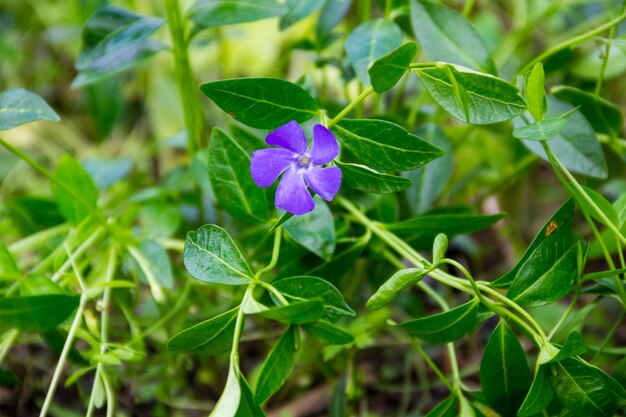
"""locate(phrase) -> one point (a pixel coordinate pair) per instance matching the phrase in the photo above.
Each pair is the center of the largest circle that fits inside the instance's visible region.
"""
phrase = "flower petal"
(289, 136)
(325, 147)
(268, 164)
(324, 181)
(292, 194)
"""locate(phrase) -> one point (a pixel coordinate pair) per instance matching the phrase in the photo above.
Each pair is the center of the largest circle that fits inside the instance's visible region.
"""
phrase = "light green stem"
(37, 239)
(343, 113)
(275, 254)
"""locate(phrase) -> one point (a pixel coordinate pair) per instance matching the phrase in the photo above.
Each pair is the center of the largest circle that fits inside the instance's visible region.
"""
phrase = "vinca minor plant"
(236, 208)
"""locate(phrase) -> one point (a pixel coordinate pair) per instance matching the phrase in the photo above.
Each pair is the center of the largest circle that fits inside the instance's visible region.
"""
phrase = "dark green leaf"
(574, 346)
(36, 313)
(472, 97)
(368, 180)
(548, 273)
(229, 173)
(264, 103)
(539, 396)
(576, 145)
(384, 145)
(603, 204)
(210, 255)
(298, 312)
(447, 36)
(582, 390)
(286, 216)
(368, 42)
(387, 70)
(399, 281)
(444, 327)
(544, 130)
(446, 408)
(603, 115)
(79, 196)
(248, 407)
(504, 372)
(536, 93)
(18, 106)
(306, 287)
(105, 21)
(298, 10)
(277, 366)
(328, 333)
(211, 13)
(450, 224)
(315, 230)
(211, 337)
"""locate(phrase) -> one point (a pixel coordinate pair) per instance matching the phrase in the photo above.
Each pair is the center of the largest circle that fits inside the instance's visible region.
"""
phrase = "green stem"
(275, 254)
(38, 238)
(155, 287)
(343, 113)
(467, 9)
(77, 253)
(433, 366)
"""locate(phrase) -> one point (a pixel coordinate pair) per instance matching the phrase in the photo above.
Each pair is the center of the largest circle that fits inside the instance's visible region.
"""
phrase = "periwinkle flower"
(301, 166)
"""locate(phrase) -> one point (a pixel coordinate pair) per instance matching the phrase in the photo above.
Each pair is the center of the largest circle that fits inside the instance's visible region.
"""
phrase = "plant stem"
(78, 252)
(433, 366)
(275, 254)
(153, 282)
(343, 113)
(38, 238)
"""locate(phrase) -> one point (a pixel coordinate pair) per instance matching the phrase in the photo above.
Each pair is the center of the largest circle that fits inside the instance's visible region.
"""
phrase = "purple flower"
(301, 166)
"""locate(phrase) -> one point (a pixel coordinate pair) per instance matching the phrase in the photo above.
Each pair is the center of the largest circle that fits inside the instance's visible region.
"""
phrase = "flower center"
(303, 161)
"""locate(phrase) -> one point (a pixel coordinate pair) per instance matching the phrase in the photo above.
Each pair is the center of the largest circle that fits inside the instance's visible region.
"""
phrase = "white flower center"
(303, 161)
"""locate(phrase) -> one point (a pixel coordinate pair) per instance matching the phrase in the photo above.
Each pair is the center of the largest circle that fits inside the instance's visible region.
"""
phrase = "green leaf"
(298, 312)
(365, 179)
(286, 216)
(298, 10)
(8, 267)
(446, 408)
(450, 224)
(444, 327)
(399, 281)
(107, 171)
(210, 255)
(430, 180)
(36, 313)
(603, 115)
(228, 404)
(603, 204)
(39, 284)
(548, 273)
(440, 246)
(211, 337)
(446, 35)
(328, 333)
(211, 13)
(535, 92)
(560, 223)
(539, 396)
(368, 42)
(307, 287)
(384, 145)
(229, 173)
(277, 366)
(18, 106)
(248, 407)
(576, 146)
(79, 196)
(574, 346)
(582, 390)
(387, 70)
(544, 130)
(158, 261)
(504, 372)
(264, 103)
(315, 230)
(332, 12)
(472, 97)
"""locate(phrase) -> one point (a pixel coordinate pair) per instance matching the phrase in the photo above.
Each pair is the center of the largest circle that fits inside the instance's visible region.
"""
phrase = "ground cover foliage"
(312, 208)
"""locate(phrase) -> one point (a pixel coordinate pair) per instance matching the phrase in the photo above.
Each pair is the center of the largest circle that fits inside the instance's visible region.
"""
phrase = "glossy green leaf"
(603, 204)
(603, 115)
(430, 180)
(444, 327)
(264, 103)
(307, 287)
(328, 333)
(582, 390)
(211, 13)
(446, 35)
(36, 313)
(548, 273)
(576, 145)
(315, 230)
(368, 42)
(387, 70)
(574, 346)
(298, 10)
(8, 267)
(450, 224)
(363, 178)
(277, 366)
(78, 198)
(298, 312)
(384, 145)
(560, 223)
(472, 97)
(211, 337)
(446, 408)
(399, 281)
(248, 406)
(535, 92)
(539, 396)
(544, 130)
(229, 173)
(18, 106)
(210, 255)
(504, 372)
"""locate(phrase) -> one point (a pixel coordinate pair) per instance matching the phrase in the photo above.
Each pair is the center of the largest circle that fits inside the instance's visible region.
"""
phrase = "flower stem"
(275, 254)
(343, 113)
